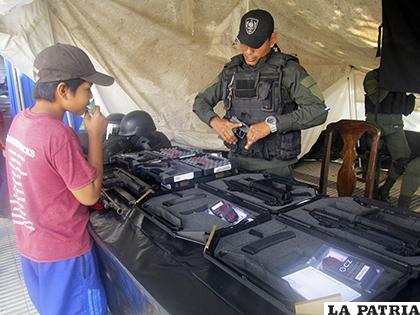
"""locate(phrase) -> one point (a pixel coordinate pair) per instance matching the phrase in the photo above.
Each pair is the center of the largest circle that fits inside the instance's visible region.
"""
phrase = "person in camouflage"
(384, 109)
(268, 95)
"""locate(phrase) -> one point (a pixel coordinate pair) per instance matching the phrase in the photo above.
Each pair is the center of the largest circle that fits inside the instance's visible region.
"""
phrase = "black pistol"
(240, 132)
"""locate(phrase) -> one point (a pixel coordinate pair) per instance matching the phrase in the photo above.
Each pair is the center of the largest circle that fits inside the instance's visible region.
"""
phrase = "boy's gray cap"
(256, 27)
(62, 62)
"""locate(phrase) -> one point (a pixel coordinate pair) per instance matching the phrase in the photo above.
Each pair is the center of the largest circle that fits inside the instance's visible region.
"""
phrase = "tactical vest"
(387, 102)
(254, 94)
(393, 103)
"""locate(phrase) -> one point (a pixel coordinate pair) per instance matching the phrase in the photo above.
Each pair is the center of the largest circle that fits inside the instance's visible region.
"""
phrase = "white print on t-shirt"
(16, 183)
(16, 162)
(15, 175)
(16, 143)
(17, 168)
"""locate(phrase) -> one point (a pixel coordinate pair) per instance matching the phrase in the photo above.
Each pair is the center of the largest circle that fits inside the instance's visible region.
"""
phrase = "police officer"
(410, 184)
(269, 92)
(384, 109)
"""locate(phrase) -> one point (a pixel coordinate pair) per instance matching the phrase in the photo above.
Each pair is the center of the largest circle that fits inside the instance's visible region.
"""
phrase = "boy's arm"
(96, 126)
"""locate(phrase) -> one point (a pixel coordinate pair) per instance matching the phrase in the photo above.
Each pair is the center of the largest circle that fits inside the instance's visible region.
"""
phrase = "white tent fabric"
(163, 52)
(341, 100)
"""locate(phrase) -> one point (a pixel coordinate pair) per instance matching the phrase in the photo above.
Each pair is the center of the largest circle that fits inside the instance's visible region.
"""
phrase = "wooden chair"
(350, 132)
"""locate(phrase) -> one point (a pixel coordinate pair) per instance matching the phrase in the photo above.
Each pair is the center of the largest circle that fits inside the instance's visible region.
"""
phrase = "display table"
(146, 271)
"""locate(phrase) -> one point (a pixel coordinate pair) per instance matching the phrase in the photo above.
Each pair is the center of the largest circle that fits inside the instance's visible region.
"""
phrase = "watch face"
(271, 120)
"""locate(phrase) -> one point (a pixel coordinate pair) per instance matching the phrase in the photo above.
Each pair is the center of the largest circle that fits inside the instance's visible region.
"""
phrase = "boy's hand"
(95, 123)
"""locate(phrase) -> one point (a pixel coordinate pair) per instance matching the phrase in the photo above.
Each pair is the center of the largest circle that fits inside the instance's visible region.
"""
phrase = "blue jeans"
(71, 286)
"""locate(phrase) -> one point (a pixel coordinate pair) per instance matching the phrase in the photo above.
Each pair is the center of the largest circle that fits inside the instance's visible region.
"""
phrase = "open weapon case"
(359, 247)
(190, 214)
(274, 235)
(174, 168)
(131, 178)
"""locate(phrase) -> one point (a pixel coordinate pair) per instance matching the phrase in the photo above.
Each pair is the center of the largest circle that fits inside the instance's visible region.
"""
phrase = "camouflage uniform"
(410, 183)
(302, 91)
(384, 110)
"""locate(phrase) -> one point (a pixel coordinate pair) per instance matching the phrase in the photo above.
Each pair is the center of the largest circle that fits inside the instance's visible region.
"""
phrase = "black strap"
(377, 99)
(268, 241)
(378, 49)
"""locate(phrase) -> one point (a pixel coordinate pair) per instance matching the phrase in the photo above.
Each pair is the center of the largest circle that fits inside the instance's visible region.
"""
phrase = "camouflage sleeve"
(207, 99)
(307, 95)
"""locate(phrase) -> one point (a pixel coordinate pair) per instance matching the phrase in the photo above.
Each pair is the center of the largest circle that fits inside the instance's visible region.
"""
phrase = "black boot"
(404, 202)
(383, 192)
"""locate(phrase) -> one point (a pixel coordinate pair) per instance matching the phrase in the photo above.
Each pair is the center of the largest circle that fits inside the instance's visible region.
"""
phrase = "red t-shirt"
(44, 162)
(1, 131)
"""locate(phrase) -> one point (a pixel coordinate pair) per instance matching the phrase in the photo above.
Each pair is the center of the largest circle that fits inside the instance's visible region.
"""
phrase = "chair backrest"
(350, 132)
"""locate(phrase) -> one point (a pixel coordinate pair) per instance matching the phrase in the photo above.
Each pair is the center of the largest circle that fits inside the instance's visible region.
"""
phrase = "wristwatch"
(271, 122)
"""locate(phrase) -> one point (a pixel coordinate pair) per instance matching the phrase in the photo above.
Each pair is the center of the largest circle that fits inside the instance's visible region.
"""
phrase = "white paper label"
(183, 177)
(217, 205)
(362, 272)
(223, 168)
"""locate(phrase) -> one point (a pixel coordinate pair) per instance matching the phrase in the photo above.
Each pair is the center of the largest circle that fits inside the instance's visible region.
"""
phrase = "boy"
(51, 183)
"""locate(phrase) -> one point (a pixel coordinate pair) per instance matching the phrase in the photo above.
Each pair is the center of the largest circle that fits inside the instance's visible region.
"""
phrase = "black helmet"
(113, 126)
(115, 145)
(137, 123)
(114, 118)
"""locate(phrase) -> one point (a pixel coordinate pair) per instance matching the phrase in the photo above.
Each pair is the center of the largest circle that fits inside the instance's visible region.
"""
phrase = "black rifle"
(262, 192)
(131, 160)
(271, 182)
(134, 184)
(289, 183)
(120, 178)
(378, 225)
(387, 208)
(111, 202)
(399, 242)
(267, 185)
(158, 163)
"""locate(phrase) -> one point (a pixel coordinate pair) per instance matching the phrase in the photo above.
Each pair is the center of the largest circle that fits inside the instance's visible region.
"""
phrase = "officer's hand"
(95, 123)
(256, 132)
(224, 127)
